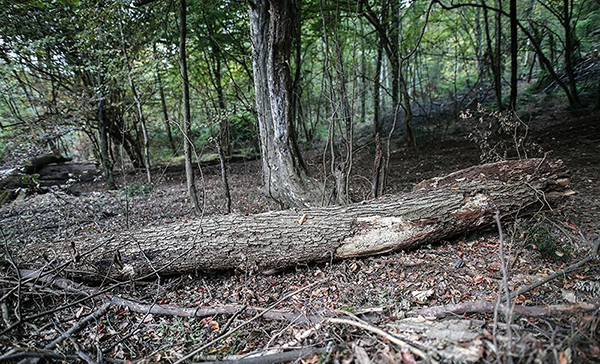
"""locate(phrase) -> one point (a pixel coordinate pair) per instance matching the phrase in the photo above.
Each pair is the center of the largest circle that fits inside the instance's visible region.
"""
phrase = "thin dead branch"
(376, 330)
(173, 310)
(488, 307)
(74, 329)
(254, 318)
(286, 356)
(571, 268)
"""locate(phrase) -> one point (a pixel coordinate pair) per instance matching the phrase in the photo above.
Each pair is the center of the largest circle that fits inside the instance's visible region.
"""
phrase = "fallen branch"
(172, 310)
(40, 354)
(488, 307)
(376, 330)
(75, 328)
(78, 326)
(573, 267)
(254, 318)
(19, 354)
(484, 306)
(285, 356)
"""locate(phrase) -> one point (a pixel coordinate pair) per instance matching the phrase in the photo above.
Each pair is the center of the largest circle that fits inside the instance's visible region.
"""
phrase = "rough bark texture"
(163, 103)
(107, 163)
(514, 48)
(437, 209)
(271, 30)
(187, 118)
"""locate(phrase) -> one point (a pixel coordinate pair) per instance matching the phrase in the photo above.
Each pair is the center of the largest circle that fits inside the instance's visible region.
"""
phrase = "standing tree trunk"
(187, 118)
(569, 48)
(271, 30)
(514, 48)
(390, 36)
(545, 63)
(498, 58)
(377, 124)
(138, 104)
(363, 75)
(103, 137)
(340, 110)
(226, 193)
(411, 142)
(491, 54)
(163, 103)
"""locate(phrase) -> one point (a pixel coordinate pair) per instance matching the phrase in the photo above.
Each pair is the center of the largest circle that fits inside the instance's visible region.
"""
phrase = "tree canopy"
(102, 79)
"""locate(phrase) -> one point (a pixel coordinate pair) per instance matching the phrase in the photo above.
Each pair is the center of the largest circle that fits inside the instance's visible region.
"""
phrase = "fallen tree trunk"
(42, 172)
(437, 209)
(38, 163)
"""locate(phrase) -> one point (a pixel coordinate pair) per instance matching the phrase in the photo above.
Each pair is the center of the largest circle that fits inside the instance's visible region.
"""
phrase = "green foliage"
(6, 196)
(136, 189)
(32, 181)
(243, 130)
(178, 331)
(2, 148)
(348, 309)
(541, 239)
(58, 57)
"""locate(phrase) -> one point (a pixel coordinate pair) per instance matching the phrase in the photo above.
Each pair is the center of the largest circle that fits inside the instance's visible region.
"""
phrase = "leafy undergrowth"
(382, 292)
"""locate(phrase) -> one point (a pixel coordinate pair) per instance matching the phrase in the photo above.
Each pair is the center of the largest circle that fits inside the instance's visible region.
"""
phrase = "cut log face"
(438, 209)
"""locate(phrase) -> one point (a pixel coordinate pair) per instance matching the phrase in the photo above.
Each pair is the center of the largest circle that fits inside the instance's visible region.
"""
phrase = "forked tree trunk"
(271, 29)
(437, 209)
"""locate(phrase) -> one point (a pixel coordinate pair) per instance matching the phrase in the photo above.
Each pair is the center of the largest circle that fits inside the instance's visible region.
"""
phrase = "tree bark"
(226, 193)
(569, 50)
(107, 165)
(138, 104)
(163, 103)
(187, 118)
(437, 209)
(514, 49)
(377, 124)
(389, 37)
(271, 30)
(498, 58)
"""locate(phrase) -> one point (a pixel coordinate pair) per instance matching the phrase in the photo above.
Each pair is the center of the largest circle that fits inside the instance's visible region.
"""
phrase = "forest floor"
(380, 290)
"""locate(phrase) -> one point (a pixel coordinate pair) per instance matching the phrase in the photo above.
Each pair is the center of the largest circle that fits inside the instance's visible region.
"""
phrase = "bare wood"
(376, 330)
(169, 310)
(438, 209)
(46, 354)
(488, 307)
(560, 273)
(255, 317)
(286, 356)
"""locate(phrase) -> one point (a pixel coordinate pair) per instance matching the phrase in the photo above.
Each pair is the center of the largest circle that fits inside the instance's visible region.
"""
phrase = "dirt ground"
(380, 290)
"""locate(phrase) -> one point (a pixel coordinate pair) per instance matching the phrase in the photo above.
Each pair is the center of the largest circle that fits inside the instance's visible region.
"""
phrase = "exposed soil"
(380, 289)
